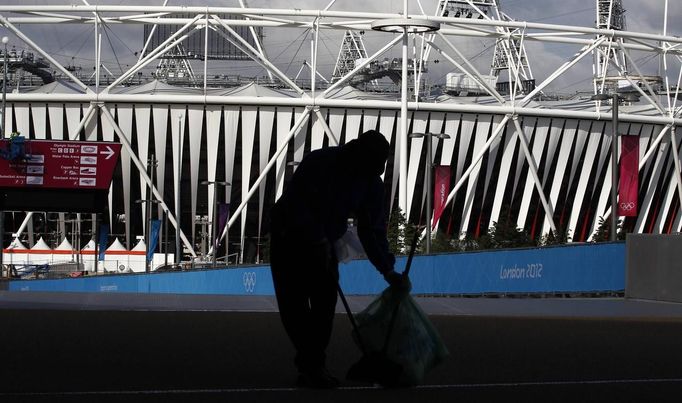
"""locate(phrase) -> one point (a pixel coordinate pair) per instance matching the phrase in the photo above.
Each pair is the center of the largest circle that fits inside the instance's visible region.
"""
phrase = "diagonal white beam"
(22, 227)
(633, 63)
(362, 65)
(162, 48)
(46, 55)
(256, 185)
(477, 159)
(151, 34)
(256, 39)
(586, 50)
(549, 211)
(676, 157)
(471, 71)
(654, 146)
(86, 118)
(245, 47)
(327, 129)
(143, 172)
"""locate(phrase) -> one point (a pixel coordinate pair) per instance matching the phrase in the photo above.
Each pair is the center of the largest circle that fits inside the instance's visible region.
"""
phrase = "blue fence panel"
(574, 268)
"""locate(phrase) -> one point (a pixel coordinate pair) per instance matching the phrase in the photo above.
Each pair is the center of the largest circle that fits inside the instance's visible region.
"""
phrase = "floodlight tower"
(509, 54)
(352, 49)
(609, 62)
(175, 66)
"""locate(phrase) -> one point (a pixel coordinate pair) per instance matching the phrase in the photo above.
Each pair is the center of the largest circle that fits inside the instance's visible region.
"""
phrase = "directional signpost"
(60, 165)
(55, 176)
(58, 176)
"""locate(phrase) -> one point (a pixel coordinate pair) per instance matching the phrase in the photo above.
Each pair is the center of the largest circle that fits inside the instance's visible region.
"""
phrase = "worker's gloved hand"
(398, 281)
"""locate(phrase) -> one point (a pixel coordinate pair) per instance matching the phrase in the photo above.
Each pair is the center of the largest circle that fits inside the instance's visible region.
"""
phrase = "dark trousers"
(305, 279)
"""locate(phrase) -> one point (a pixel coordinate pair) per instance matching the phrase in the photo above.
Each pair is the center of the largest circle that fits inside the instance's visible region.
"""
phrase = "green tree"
(441, 243)
(394, 232)
(505, 234)
(559, 237)
(465, 243)
(603, 232)
(400, 233)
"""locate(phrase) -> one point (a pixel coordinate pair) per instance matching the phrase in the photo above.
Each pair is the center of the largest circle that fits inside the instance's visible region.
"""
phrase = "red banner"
(629, 176)
(442, 189)
(58, 164)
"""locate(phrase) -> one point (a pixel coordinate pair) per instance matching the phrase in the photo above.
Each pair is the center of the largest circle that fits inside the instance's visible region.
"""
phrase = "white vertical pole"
(614, 166)
(98, 42)
(206, 51)
(402, 190)
(178, 254)
(313, 52)
(429, 189)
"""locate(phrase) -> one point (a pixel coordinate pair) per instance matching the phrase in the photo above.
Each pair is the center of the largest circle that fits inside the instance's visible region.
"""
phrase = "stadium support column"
(404, 25)
(4, 120)
(402, 191)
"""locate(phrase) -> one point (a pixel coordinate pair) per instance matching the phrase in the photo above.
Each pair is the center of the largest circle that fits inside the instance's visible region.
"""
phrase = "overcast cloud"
(74, 44)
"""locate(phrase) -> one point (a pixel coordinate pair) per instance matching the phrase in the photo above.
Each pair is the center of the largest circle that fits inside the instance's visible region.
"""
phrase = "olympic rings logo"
(627, 206)
(249, 279)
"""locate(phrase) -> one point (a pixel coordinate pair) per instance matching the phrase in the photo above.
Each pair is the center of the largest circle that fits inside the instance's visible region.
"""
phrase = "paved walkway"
(180, 348)
(519, 307)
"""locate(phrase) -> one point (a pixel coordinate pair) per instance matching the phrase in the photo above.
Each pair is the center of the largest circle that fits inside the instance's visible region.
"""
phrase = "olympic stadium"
(529, 107)
(515, 147)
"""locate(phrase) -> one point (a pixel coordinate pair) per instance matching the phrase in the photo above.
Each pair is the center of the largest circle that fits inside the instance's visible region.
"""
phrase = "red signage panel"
(49, 164)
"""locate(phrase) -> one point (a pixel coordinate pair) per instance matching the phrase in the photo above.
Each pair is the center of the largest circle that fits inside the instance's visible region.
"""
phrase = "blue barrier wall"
(574, 268)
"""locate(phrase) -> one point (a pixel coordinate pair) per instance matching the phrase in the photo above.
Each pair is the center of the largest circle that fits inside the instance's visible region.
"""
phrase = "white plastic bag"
(349, 247)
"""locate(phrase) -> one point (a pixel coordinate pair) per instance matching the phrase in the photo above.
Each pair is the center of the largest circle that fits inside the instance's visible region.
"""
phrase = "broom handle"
(406, 272)
(351, 317)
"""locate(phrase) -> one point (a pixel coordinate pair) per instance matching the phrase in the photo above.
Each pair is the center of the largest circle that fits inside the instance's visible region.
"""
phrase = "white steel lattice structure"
(610, 63)
(542, 162)
(352, 49)
(509, 52)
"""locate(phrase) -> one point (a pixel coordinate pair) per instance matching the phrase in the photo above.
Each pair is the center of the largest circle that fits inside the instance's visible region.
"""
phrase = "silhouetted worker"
(329, 186)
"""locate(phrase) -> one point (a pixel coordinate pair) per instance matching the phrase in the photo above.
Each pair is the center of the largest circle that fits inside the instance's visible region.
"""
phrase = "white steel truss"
(508, 132)
(352, 49)
(610, 16)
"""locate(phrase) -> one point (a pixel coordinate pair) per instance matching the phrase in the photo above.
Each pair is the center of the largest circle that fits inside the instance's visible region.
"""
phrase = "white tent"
(89, 246)
(88, 255)
(116, 257)
(64, 246)
(138, 256)
(140, 247)
(116, 246)
(16, 253)
(17, 245)
(41, 253)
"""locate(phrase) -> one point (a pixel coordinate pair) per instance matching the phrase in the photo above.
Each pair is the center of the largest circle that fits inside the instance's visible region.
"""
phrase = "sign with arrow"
(47, 164)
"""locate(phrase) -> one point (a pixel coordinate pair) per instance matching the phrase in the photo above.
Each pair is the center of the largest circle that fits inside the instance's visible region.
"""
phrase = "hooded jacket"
(331, 185)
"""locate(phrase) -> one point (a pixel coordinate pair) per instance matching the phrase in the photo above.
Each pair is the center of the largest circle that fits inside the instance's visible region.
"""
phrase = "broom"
(375, 366)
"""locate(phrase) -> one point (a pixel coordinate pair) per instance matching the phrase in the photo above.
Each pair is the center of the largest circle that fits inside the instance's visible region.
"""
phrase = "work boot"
(318, 378)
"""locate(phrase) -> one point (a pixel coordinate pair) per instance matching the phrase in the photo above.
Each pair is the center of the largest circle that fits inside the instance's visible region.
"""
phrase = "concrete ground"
(183, 348)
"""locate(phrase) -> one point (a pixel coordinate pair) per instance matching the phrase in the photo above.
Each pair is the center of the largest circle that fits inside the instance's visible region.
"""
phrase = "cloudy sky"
(74, 44)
